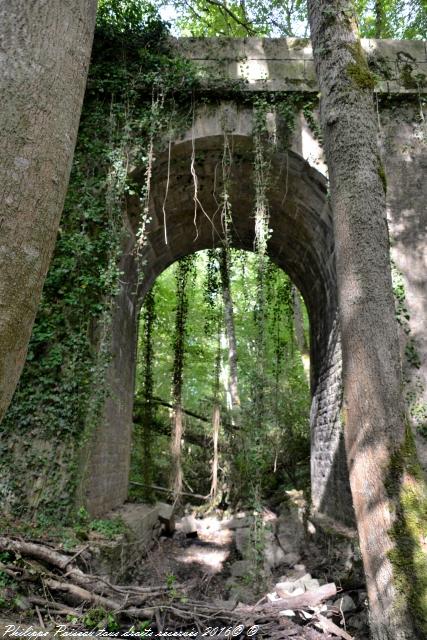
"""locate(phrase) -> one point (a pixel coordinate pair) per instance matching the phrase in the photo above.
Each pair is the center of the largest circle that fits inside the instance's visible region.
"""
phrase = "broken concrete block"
(166, 517)
(273, 555)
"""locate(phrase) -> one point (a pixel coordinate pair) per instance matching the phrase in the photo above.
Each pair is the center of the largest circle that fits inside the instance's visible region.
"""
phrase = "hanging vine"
(149, 314)
(262, 234)
(62, 390)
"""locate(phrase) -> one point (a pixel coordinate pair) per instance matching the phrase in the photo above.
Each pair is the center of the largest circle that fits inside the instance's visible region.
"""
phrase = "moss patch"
(358, 70)
(407, 486)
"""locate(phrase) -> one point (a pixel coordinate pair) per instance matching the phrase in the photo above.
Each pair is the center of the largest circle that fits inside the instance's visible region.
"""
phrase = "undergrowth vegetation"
(269, 444)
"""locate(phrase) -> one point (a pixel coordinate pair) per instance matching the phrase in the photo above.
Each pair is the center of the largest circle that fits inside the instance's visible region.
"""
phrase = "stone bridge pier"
(301, 243)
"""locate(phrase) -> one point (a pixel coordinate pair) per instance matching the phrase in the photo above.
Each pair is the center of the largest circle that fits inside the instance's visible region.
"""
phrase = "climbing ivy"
(136, 86)
(140, 94)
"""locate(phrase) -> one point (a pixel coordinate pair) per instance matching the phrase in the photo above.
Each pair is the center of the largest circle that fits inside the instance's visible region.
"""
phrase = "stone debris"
(240, 568)
(238, 522)
(188, 526)
(166, 517)
(346, 604)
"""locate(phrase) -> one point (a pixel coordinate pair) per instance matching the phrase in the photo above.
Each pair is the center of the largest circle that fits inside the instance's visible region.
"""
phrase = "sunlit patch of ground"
(212, 547)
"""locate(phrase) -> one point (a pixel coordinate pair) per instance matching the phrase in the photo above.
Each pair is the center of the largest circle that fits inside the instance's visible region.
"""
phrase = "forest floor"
(216, 561)
(215, 576)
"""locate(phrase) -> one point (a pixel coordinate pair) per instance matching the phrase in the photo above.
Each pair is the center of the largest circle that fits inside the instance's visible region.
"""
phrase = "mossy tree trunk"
(182, 275)
(374, 415)
(45, 56)
(230, 332)
(148, 415)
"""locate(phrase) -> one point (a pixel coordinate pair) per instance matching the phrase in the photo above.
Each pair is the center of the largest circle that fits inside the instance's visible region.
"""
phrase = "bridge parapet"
(286, 64)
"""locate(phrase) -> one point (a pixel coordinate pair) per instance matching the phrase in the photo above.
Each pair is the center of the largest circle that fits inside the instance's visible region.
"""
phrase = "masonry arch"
(301, 244)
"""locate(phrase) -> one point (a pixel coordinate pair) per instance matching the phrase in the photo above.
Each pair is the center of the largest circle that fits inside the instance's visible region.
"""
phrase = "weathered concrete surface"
(286, 64)
(105, 465)
(404, 140)
(121, 557)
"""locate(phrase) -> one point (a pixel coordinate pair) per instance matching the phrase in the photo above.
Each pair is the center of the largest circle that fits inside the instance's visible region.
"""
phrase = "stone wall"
(286, 64)
(301, 243)
(403, 137)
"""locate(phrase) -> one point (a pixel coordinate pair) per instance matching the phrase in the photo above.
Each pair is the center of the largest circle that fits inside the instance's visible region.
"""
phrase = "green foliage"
(99, 618)
(108, 528)
(397, 19)
(184, 276)
(280, 445)
(61, 391)
(237, 19)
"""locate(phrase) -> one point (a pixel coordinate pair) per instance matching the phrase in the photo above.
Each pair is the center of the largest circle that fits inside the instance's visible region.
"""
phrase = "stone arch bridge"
(302, 241)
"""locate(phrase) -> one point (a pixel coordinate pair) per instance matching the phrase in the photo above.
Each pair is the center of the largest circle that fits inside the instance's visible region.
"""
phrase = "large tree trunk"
(299, 323)
(182, 274)
(45, 56)
(216, 417)
(147, 417)
(377, 445)
(216, 420)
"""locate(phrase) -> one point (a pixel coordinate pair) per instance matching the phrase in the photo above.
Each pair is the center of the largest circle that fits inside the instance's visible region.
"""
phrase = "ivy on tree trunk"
(182, 276)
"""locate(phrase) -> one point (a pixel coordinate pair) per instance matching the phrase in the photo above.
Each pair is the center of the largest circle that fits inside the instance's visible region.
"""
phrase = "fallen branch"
(82, 595)
(65, 584)
(51, 604)
(164, 490)
(38, 551)
(310, 598)
(329, 626)
(307, 600)
(168, 405)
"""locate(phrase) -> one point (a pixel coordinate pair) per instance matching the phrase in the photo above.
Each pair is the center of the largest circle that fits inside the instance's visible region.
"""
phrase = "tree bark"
(299, 323)
(177, 433)
(215, 459)
(147, 415)
(216, 419)
(230, 331)
(182, 274)
(373, 415)
(45, 56)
